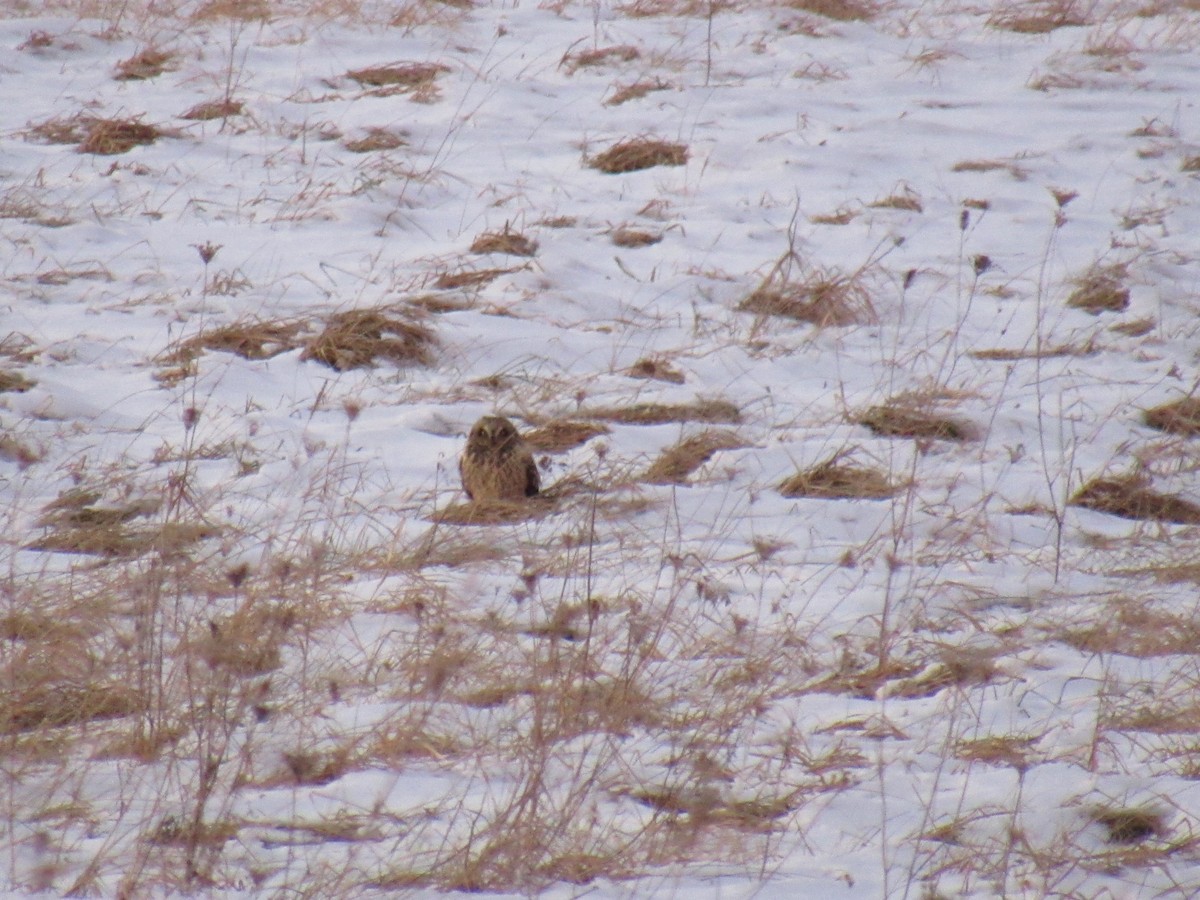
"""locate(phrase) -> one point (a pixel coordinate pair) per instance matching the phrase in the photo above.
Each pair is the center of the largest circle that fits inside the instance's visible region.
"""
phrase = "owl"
(497, 464)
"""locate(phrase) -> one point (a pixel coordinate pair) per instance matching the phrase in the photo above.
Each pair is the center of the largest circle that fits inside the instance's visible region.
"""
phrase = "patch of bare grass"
(560, 435)
(713, 411)
(821, 297)
(1129, 825)
(632, 238)
(677, 462)
(417, 79)
(1190, 164)
(109, 137)
(1130, 498)
(837, 217)
(904, 198)
(214, 109)
(1133, 627)
(601, 56)
(240, 10)
(374, 140)
(504, 241)
(836, 479)
(251, 339)
(498, 512)
(914, 417)
(656, 370)
(14, 382)
(636, 90)
(639, 153)
(1177, 417)
(149, 62)
(1038, 16)
(839, 10)
(1018, 172)
(359, 337)
(77, 522)
(469, 278)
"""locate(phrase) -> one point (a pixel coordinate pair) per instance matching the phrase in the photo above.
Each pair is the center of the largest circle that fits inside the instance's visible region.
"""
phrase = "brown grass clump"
(376, 139)
(601, 56)
(1178, 417)
(633, 238)
(498, 512)
(249, 340)
(358, 337)
(56, 704)
(910, 418)
(635, 154)
(636, 91)
(469, 278)
(991, 165)
(715, 411)
(1037, 17)
(559, 435)
(148, 63)
(214, 109)
(14, 382)
(1132, 627)
(1190, 164)
(243, 10)
(1101, 289)
(1129, 826)
(678, 461)
(399, 77)
(1129, 498)
(840, 10)
(108, 137)
(905, 198)
(655, 369)
(835, 479)
(821, 297)
(511, 242)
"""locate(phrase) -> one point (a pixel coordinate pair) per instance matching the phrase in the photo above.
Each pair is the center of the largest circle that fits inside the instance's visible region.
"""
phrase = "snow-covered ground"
(256, 641)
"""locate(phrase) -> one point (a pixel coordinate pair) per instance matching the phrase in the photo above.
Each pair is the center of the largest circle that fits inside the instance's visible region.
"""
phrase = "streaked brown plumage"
(497, 464)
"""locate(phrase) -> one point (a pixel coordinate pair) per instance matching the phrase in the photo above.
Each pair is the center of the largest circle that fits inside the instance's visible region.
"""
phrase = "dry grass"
(560, 435)
(632, 238)
(251, 339)
(14, 382)
(1124, 825)
(239, 10)
(1190, 164)
(1013, 168)
(506, 241)
(418, 79)
(469, 278)
(214, 109)
(1038, 16)
(1101, 289)
(835, 479)
(720, 412)
(677, 462)
(358, 338)
(914, 417)
(839, 10)
(601, 56)
(635, 154)
(147, 63)
(498, 512)
(1177, 417)
(1132, 627)
(108, 137)
(904, 198)
(655, 370)
(637, 90)
(1130, 498)
(821, 297)
(1050, 352)
(376, 139)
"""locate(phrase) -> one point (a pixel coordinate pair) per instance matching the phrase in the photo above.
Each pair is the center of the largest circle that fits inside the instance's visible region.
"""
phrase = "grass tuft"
(148, 63)
(835, 479)
(1037, 17)
(913, 418)
(1101, 289)
(1129, 498)
(214, 109)
(635, 154)
(1129, 825)
(511, 242)
(714, 411)
(108, 137)
(357, 338)
(677, 462)
(839, 10)
(821, 297)
(1177, 417)
(560, 435)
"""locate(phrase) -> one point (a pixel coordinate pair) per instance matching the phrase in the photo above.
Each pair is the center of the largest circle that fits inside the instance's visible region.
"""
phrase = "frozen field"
(856, 342)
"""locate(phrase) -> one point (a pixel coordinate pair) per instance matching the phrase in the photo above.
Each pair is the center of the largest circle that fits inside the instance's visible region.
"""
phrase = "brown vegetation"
(635, 154)
(1130, 498)
(358, 337)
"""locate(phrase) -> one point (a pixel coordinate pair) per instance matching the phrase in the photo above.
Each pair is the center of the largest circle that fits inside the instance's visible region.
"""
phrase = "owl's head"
(493, 432)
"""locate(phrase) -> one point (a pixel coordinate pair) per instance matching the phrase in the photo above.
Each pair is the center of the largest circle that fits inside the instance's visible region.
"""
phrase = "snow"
(767, 696)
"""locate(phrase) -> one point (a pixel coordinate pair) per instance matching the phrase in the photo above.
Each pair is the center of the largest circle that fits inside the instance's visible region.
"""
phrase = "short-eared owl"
(497, 464)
